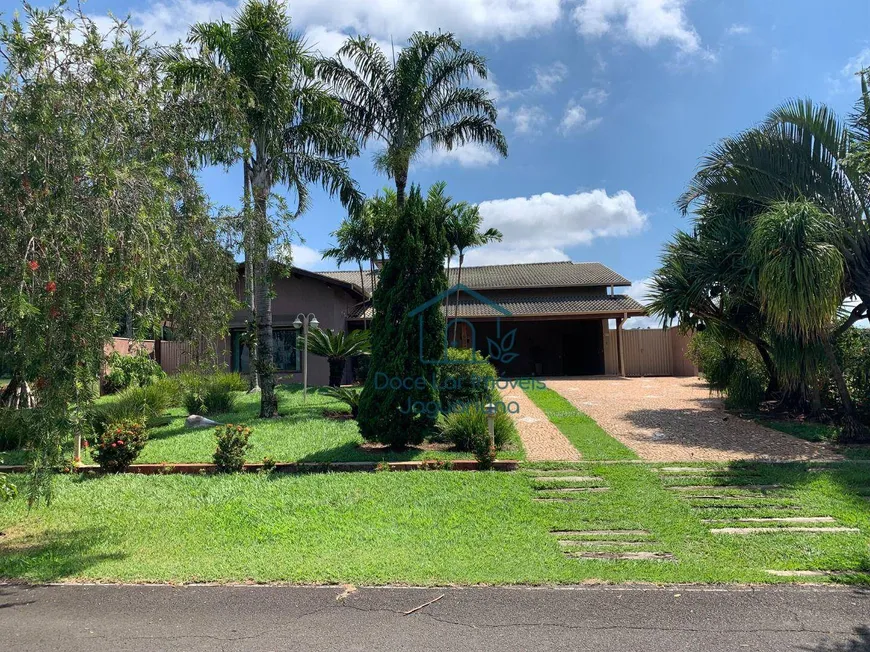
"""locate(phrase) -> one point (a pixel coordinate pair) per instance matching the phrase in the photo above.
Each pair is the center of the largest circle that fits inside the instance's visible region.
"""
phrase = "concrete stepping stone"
(744, 487)
(781, 530)
(571, 490)
(554, 500)
(684, 469)
(640, 556)
(567, 478)
(596, 543)
(600, 533)
(744, 506)
(808, 573)
(774, 519)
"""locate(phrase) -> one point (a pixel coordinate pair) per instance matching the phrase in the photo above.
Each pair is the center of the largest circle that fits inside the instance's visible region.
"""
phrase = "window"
(284, 355)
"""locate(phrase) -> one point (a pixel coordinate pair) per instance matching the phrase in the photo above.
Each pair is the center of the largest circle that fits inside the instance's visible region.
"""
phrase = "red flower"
(33, 265)
(54, 313)
(120, 443)
(51, 286)
(117, 431)
(114, 445)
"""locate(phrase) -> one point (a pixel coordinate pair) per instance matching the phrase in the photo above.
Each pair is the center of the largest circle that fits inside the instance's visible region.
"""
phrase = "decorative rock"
(196, 421)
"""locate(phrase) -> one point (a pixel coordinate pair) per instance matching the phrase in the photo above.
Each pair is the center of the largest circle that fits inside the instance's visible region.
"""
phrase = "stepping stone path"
(542, 440)
(559, 489)
(576, 540)
(781, 530)
(774, 519)
(808, 573)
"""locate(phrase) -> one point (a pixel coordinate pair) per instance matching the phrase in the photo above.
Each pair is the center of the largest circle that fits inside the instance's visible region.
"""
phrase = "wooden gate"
(656, 352)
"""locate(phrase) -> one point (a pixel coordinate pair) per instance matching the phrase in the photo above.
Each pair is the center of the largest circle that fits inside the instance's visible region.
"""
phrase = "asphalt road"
(258, 618)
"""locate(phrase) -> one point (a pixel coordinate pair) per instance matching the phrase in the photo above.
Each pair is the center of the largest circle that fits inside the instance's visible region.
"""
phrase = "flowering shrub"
(232, 442)
(119, 445)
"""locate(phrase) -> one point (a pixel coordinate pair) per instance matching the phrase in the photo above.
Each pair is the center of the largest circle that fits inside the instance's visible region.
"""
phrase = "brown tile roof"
(519, 276)
(519, 306)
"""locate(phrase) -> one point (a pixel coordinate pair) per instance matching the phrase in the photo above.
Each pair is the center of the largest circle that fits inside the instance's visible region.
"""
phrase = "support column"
(619, 353)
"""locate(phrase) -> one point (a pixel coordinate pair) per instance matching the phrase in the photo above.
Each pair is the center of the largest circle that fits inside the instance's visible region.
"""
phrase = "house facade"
(535, 319)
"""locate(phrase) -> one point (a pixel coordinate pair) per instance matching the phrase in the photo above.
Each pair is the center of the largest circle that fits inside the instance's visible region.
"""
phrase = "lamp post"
(304, 321)
(490, 410)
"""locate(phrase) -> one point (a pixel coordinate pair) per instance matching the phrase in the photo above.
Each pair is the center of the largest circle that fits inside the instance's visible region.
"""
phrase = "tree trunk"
(263, 300)
(336, 371)
(773, 385)
(362, 286)
(456, 302)
(401, 182)
(852, 429)
(253, 374)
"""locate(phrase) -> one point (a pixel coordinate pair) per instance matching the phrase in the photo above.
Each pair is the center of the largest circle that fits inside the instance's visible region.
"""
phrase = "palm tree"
(337, 347)
(420, 97)
(463, 234)
(352, 237)
(264, 106)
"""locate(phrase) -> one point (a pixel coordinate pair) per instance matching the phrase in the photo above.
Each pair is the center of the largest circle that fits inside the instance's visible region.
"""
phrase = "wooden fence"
(656, 352)
(172, 356)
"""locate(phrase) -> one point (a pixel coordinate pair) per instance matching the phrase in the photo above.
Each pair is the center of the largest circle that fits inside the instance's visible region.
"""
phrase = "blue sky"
(607, 105)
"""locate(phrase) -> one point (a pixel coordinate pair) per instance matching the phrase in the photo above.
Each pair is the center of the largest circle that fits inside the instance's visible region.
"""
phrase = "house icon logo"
(499, 349)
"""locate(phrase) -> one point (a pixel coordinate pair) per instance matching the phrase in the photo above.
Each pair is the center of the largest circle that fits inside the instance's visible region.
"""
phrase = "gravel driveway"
(677, 419)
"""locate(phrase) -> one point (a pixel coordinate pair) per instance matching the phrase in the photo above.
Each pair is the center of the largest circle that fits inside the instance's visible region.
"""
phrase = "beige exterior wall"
(331, 303)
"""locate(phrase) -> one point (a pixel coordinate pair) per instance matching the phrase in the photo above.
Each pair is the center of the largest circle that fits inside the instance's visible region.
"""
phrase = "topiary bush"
(232, 443)
(466, 382)
(118, 446)
(131, 370)
(463, 428)
(413, 275)
(211, 393)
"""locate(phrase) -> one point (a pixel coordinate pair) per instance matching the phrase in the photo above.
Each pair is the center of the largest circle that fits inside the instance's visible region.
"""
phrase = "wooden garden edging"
(296, 467)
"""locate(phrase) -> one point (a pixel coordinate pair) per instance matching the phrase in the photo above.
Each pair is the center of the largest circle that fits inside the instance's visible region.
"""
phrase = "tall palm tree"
(420, 96)
(463, 234)
(263, 106)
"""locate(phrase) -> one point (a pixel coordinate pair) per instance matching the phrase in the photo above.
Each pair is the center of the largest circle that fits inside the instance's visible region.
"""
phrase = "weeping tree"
(338, 347)
(100, 210)
(253, 85)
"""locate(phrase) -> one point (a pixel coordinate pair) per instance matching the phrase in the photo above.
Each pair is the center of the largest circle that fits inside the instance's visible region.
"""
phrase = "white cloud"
(472, 155)
(738, 30)
(499, 254)
(541, 227)
(847, 79)
(595, 96)
(546, 79)
(527, 119)
(575, 117)
(644, 22)
(473, 19)
(857, 63)
(310, 259)
(169, 21)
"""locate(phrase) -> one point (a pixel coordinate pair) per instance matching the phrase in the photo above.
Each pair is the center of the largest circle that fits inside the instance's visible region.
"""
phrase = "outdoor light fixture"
(490, 425)
(304, 321)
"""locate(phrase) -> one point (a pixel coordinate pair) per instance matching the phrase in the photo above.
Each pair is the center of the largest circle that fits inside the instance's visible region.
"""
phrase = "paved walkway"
(678, 420)
(541, 439)
(599, 619)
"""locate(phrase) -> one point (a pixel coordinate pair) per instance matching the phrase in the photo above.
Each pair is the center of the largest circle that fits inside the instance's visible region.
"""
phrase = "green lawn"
(587, 436)
(301, 434)
(433, 527)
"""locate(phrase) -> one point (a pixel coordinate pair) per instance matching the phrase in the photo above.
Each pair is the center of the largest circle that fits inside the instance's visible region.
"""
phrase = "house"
(555, 316)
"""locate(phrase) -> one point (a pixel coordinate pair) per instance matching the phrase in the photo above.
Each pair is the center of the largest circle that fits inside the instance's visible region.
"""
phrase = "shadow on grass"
(52, 556)
(860, 642)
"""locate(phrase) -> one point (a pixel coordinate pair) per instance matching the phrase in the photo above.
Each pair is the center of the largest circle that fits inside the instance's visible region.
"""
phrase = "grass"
(420, 528)
(819, 433)
(586, 435)
(301, 434)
